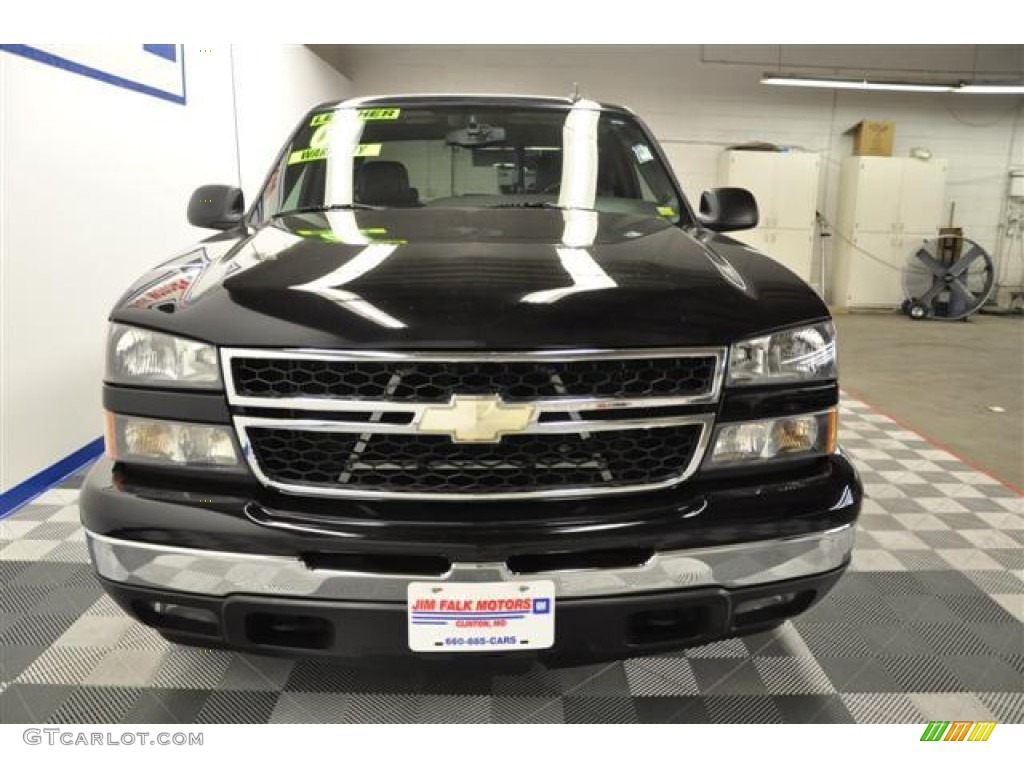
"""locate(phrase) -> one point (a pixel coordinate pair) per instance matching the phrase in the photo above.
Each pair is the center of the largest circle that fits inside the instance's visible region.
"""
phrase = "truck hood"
(455, 278)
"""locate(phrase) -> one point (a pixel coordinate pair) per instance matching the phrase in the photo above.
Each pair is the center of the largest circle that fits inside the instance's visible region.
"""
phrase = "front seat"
(549, 172)
(385, 182)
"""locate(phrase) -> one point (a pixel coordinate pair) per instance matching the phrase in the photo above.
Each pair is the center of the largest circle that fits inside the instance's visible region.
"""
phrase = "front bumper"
(221, 574)
(227, 567)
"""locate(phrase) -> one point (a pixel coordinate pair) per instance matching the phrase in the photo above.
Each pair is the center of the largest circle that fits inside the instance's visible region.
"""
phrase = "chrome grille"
(431, 463)
(417, 381)
(349, 423)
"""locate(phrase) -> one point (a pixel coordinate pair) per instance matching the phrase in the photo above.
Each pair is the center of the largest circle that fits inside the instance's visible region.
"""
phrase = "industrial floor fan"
(948, 278)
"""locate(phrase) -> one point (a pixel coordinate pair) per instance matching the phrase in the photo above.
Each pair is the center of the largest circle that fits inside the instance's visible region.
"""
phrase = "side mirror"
(216, 206)
(728, 209)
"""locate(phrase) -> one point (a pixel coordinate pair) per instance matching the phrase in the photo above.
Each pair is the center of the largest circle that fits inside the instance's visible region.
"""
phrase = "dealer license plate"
(486, 616)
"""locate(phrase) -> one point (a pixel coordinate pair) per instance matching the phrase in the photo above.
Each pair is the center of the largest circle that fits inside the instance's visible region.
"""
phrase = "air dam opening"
(669, 625)
(631, 557)
(289, 631)
(397, 565)
(771, 608)
(176, 617)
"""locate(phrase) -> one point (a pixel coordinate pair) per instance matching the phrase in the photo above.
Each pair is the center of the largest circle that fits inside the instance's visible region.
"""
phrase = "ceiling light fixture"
(1007, 88)
(888, 85)
(856, 85)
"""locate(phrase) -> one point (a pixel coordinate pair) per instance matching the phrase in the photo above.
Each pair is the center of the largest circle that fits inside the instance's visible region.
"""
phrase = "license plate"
(486, 616)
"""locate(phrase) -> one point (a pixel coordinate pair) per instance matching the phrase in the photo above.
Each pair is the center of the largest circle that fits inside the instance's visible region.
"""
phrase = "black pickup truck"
(470, 375)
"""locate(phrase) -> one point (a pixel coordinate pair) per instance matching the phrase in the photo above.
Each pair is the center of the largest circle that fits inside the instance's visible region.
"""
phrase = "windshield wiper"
(325, 208)
(528, 204)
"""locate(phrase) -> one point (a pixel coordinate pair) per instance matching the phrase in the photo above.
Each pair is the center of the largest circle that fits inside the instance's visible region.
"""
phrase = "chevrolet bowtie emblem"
(472, 419)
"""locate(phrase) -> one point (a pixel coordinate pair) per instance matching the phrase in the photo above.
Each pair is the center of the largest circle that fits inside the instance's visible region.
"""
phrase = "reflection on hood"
(330, 285)
(586, 274)
(461, 278)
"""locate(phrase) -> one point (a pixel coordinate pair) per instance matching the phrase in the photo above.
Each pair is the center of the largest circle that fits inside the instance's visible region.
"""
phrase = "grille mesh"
(437, 382)
(434, 464)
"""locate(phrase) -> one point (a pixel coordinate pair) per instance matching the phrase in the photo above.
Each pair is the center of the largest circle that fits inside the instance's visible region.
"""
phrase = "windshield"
(576, 158)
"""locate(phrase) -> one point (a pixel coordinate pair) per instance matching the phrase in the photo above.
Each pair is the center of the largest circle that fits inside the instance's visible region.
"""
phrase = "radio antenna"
(575, 95)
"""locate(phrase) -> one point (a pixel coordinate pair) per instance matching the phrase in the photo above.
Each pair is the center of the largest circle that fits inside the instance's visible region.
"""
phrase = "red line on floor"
(937, 443)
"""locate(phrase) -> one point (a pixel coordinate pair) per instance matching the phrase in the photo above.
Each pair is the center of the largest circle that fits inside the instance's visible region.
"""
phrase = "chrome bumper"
(220, 574)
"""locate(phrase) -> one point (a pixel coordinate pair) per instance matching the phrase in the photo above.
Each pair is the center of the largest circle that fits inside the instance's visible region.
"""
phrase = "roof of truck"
(497, 99)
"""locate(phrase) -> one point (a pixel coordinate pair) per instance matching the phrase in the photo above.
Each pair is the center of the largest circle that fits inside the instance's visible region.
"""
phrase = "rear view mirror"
(475, 135)
(728, 209)
(216, 206)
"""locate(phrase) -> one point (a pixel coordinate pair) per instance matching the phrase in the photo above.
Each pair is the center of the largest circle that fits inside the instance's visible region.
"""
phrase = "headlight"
(773, 439)
(799, 354)
(137, 356)
(172, 444)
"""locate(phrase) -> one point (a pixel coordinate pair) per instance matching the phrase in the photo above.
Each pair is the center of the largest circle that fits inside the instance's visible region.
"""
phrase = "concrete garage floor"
(939, 379)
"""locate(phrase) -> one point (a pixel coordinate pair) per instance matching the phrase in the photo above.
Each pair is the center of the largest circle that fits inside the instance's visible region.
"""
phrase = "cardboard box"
(874, 137)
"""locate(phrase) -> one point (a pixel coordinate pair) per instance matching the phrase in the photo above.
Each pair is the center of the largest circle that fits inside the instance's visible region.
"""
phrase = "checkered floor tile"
(926, 625)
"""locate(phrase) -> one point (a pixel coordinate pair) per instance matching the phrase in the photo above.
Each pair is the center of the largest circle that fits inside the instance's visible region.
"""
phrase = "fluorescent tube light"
(856, 85)
(882, 85)
(990, 88)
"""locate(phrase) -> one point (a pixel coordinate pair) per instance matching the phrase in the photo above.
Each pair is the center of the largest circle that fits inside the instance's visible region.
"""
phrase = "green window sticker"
(319, 137)
(320, 153)
(667, 211)
(307, 155)
(380, 113)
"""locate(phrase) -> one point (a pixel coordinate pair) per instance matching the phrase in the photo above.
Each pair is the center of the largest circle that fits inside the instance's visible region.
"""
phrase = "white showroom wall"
(94, 181)
(274, 85)
(700, 99)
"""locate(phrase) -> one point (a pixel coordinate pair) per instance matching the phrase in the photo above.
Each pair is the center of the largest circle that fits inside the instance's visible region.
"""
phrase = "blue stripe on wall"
(81, 69)
(42, 481)
(167, 51)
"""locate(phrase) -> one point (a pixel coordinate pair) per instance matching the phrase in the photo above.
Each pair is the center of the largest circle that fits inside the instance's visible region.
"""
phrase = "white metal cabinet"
(923, 192)
(887, 207)
(875, 281)
(793, 248)
(785, 185)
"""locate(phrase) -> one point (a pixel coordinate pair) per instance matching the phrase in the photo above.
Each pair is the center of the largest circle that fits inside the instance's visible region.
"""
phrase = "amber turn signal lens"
(149, 439)
(794, 435)
(110, 435)
(833, 431)
(810, 434)
(138, 440)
